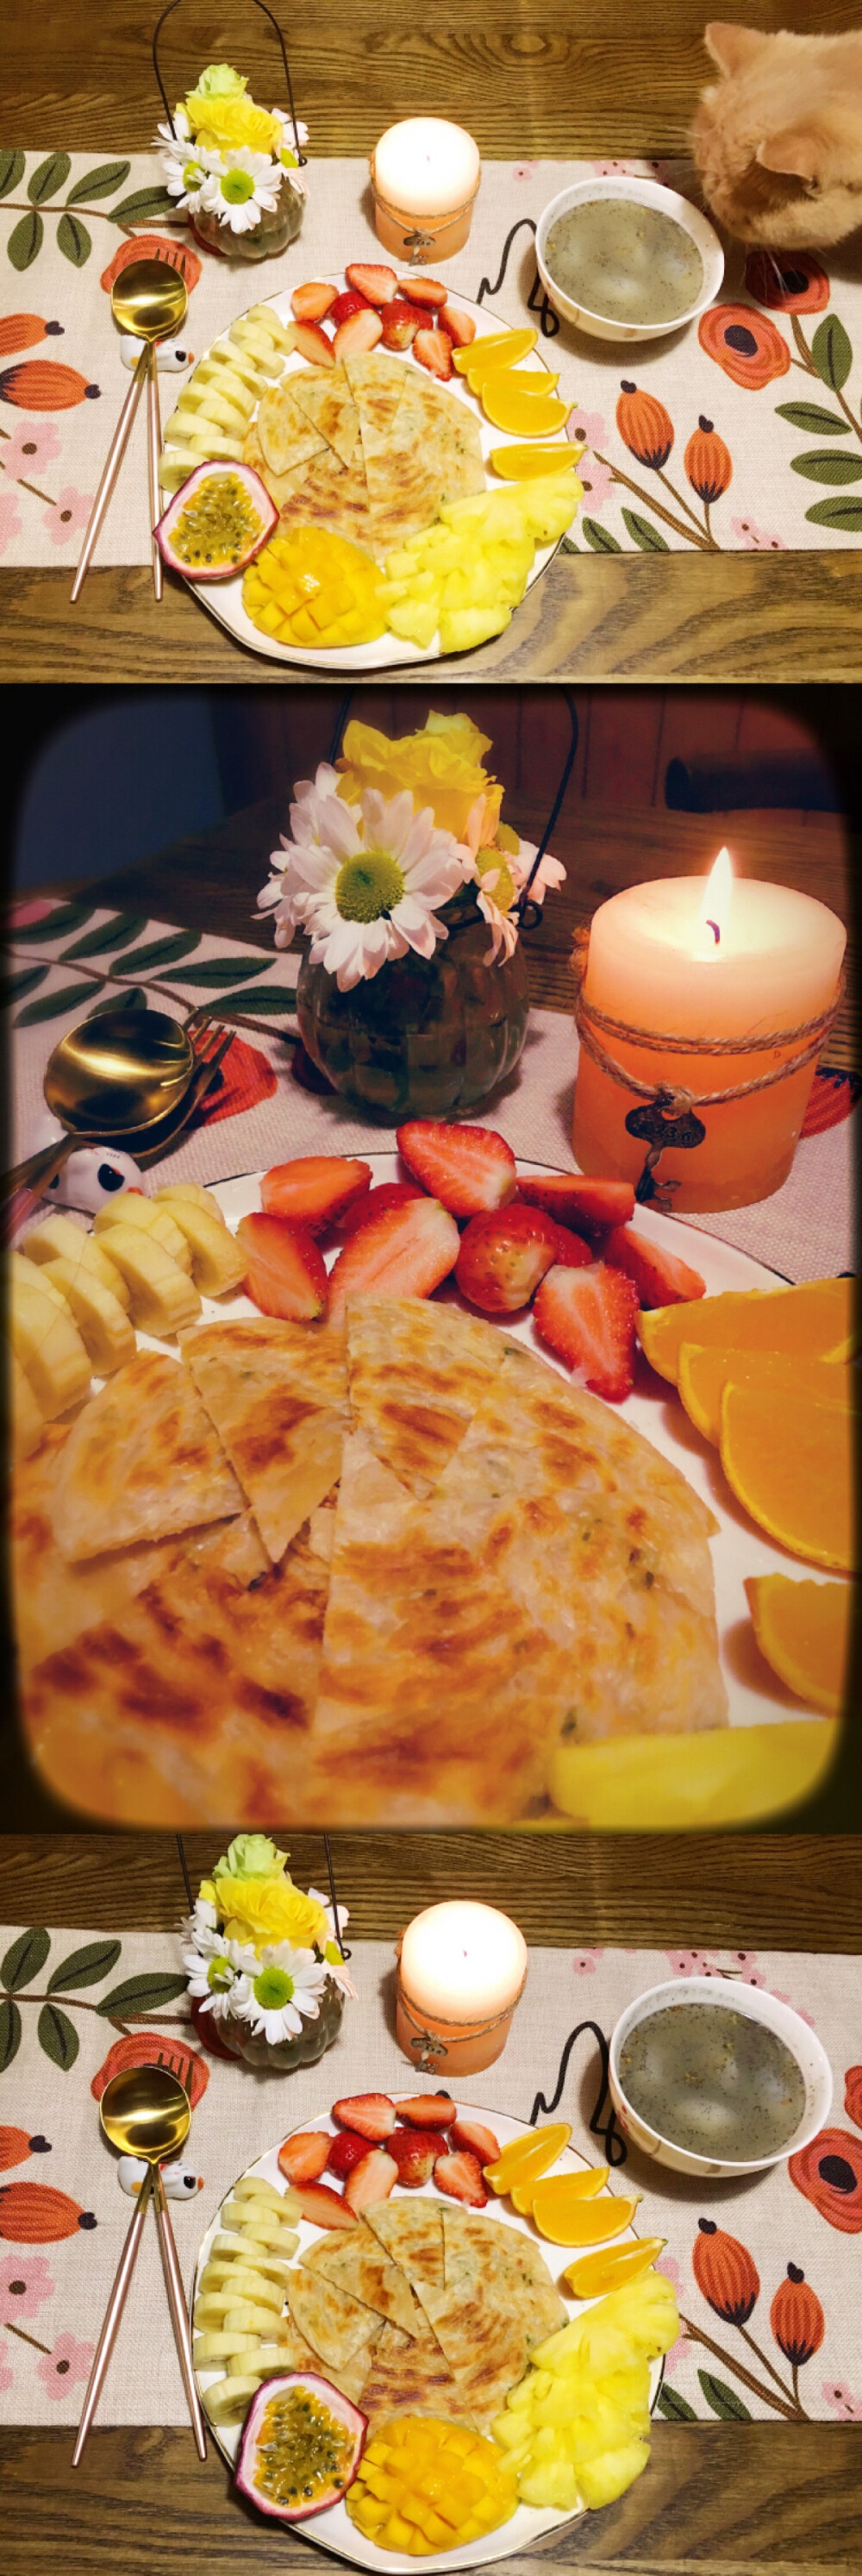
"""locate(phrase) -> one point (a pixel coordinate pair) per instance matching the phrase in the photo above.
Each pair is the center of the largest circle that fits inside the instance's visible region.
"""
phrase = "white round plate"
(333, 2529)
(224, 598)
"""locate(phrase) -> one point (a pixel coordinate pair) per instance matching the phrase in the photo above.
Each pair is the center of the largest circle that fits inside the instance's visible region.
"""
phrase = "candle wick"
(713, 926)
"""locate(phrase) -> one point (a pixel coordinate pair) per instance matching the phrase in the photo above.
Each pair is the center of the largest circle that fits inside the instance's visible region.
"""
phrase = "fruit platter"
(361, 474)
(357, 1414)
(421, 2331)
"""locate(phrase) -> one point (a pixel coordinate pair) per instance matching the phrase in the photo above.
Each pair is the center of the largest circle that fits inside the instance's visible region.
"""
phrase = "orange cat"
(778, 140)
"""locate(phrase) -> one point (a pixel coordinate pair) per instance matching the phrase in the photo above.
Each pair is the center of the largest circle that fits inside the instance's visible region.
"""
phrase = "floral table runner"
(742, 435)
(763, 2268)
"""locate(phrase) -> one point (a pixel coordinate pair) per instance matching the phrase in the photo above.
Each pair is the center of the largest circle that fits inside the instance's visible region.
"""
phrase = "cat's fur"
(778, 140)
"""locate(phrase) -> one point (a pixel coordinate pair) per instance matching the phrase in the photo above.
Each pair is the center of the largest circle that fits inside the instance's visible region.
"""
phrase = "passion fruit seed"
(302, 2449)
(217, 525)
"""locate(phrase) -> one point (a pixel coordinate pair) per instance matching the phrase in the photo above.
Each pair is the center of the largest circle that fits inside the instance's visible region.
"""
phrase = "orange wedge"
(804, 1630)
(592, 2274)
(583, 2186)
(525, 406)
(565, 2218)
(791, 1465)
(530, 2156)
(704, 1374)
(815, 1322)
(520, 464)
(493, 349)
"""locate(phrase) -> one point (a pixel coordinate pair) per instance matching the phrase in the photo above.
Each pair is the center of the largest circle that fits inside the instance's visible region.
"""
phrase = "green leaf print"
(723, 2400)
(98, 183)
(11, 172)
(676, 2408)
(145, 203)
(12, 987)
(25, 243)
(823, 465)
(51, 175)
(135, 999)
(58, 2036)
(50, 1005)
(23, 1962)
(600, 538)
(74, 240)
(832, 352)
(645, 536)
(10, 2032)
(844, 515)
(268, 997)
(142, 1995)
(163, 952)
(54, 925)
(222, 970)
(119, 932)
(813, 420)
(84, 1967)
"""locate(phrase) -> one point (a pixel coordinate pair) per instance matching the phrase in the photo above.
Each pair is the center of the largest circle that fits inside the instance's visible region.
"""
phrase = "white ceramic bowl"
(641, 192)
(802, 2042)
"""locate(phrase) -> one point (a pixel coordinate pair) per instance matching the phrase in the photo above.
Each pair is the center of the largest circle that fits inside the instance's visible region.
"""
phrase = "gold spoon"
(109, 1080)
(149, 299)
(145, 2112)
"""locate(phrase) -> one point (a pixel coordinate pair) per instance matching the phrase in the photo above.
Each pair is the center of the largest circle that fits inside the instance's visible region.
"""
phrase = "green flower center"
(273, 1989)
(368, 886)
(220, 1976)
(333, 1955)
(503, 893)
(236, 187)
(192, 175)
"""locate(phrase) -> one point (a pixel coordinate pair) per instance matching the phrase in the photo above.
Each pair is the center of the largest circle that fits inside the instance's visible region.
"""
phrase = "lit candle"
(461, 1971)
(714, 960)
(425, 175)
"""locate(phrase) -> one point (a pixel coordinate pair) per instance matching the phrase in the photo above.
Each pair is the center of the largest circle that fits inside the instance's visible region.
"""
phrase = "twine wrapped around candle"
(429, 2045)
(588, 1019)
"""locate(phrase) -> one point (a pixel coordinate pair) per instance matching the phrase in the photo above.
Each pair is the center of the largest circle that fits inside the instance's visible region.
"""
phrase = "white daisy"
(550, 873)
(368, 882)
(286, 145)
(188, 170)
(494, 883)
(240, 187)
(278, 1999)
(335, 1965)
(310, 796)
(214, 1984)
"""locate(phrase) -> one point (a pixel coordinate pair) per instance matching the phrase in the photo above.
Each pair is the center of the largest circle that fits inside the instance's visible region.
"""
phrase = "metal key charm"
(661, 1128)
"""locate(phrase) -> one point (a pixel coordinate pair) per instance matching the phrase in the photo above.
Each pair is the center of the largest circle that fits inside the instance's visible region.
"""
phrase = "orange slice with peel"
(528, 2156)
(804, 1630)
(493, 349)
(583, 2186)
(592, 2274)
(565, 2218)
(815, 1321)
(521, 464)
(527, 407)
(791, 1466)
(704, 1374)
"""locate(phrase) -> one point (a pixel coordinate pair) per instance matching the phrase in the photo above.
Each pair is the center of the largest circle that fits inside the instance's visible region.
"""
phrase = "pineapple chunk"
(27, 1422)
(102, 1322)
(602, 2481)
(58, 1239)
(48, 1347)
(131, 1208)
(164, 1299)
(216, 1259)
(462, 628)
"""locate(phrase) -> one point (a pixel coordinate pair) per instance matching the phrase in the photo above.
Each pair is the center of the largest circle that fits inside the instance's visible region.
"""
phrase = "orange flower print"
(33, 2213)
(796, 2318)
(148, 2048)
(749, 348)
(707, 462)
(853, 2094)
(788, 283)
(829, 2174)
(724, 2271)
(644, 426)
(41, 384)
(153, 246)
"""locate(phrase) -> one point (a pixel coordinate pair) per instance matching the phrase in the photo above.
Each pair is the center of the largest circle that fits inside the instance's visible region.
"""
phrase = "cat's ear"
(792, 155)
(732, 48)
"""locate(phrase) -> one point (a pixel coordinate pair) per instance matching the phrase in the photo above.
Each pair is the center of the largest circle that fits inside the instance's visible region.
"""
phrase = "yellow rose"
(267, 1910)
(230, 124)
(441, 767)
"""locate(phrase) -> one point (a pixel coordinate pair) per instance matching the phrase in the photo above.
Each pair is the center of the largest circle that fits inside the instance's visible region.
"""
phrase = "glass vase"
(426, 1037)
(282, 2057)
(272, 234)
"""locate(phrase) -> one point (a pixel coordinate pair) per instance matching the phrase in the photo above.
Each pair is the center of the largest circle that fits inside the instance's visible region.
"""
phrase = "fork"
(208, 1057)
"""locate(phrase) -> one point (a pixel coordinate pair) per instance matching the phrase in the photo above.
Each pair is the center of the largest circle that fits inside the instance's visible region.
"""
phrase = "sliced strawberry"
(401, 322)
(423, 290)
(415, 2152)
(345, 2151)
(371, 2180)
(461, 2177)
(322, 2207)
(313, 344)
(360, 332)
(377, 284)
(303, 2157)
(349, 302)
(309, 303)
(660, 1277)
(468, 1168)
(434, 351)
(373, 1203)
(427, 2110)
(459, 327)
(285, 1274)
(503, 1256)
(369, 2115)
(315, 1189)
(573, 1251)
(403, 1253)
(478, 2140)
(588, 1318)
(585, 1204)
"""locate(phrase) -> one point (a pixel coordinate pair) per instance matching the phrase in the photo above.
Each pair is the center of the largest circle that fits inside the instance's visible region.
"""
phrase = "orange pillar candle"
(461, 1970)
(425, 175)
(716, 959)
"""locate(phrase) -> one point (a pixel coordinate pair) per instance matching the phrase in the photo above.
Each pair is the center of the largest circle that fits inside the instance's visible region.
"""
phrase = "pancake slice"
(296, 2353)
(417, 1373)
(324, 398)
(360, 2265)
(288, 434)
(277, 1394)
(142, 1461)
(485, 2344)
(409, 2374)
(333, 2322)
(411, 2232)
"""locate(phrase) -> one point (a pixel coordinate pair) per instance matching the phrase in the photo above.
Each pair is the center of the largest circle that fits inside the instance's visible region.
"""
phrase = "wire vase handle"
(259, 4)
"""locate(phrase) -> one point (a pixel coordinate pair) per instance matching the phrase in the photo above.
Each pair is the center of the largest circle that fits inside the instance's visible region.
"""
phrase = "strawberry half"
(660, 1277)
(468, 1168)
(371, 2180)
(322, 2207)
(359, 333)
(369, 2115)
(309, 303)
(460, 328)
(315, 1189)
(401, 321)
(461, 2177)
(423, 290)
(434, 351)
(403, 1253)
(349, 302)
(503, 1256)
(377, 284)
(588, 1318)
(415, 2152)
(313, 344)
(303, 2157)
(478, 2141)
(427, 2110)
(580, 1202)
(285, 1274)
(345, 2151)
(373, 1203)
(573, 1251)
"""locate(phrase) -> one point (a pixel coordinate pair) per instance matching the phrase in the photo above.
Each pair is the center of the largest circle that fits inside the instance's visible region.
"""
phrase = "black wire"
(259, 4)
(568, 765)
(340, 727)
(184, 1867)
(614, 2144)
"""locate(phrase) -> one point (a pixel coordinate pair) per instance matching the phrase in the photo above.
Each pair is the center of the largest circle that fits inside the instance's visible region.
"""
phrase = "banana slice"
(245, 2319)
(253, 2187)
(215, 2300)
(240, 2281)
(171, 1190)
(239, 2248)
(164, 1299)
(102, 1322)
(56, 1238)
(208, 2348)
(48, 1347)
(268, 2357)
(216, 1259)
(228, 2400)
(132, 1209)
(27, 1272)
(27, 1422)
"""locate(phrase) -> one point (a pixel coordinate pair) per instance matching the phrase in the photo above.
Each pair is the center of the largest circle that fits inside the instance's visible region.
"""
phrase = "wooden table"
(550, 80)
(719, 2499)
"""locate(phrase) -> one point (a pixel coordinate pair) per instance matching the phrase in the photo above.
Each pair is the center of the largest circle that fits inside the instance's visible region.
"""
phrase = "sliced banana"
(27, 1421)
(164, 1299)
(132, 1209)
(191, 1190)
(253, 2187)
(28, 1272)
(58, 1239)
(267, 2358)
(102, 1322)
(246, 2319)
(228, 2400)
(275, 2266)
(220, 2297)
(48, 1347)
(216, 1259)
(219, 2346)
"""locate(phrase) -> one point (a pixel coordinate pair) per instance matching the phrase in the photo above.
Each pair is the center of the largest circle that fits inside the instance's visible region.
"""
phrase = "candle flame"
(715, 909)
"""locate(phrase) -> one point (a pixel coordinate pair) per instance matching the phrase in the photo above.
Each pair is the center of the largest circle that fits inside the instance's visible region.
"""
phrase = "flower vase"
(426, 1037)
(269, 236)
(282, 2057)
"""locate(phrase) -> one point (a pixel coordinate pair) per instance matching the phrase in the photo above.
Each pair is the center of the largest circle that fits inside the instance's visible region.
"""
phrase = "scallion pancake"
(357, 2263)
(141, 1461)
(332, 2321)
(409, 2375)
(417, 1371)
(276, 1393)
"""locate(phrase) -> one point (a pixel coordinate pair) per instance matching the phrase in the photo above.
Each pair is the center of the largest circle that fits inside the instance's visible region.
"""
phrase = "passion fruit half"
(301, 2446)
(216, 523)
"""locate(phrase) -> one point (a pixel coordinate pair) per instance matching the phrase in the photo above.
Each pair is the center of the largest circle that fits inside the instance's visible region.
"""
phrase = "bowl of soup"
(625, 259)
(716, 2079)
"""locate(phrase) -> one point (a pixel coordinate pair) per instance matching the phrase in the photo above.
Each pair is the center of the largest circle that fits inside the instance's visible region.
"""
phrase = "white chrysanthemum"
(500, 917)
(280, 1998)
(310, 796)
(214, 1984)
(549, 874)
(188, 171)
(240, 187)
(334, 1965)
(286, 145)
(368, 881)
